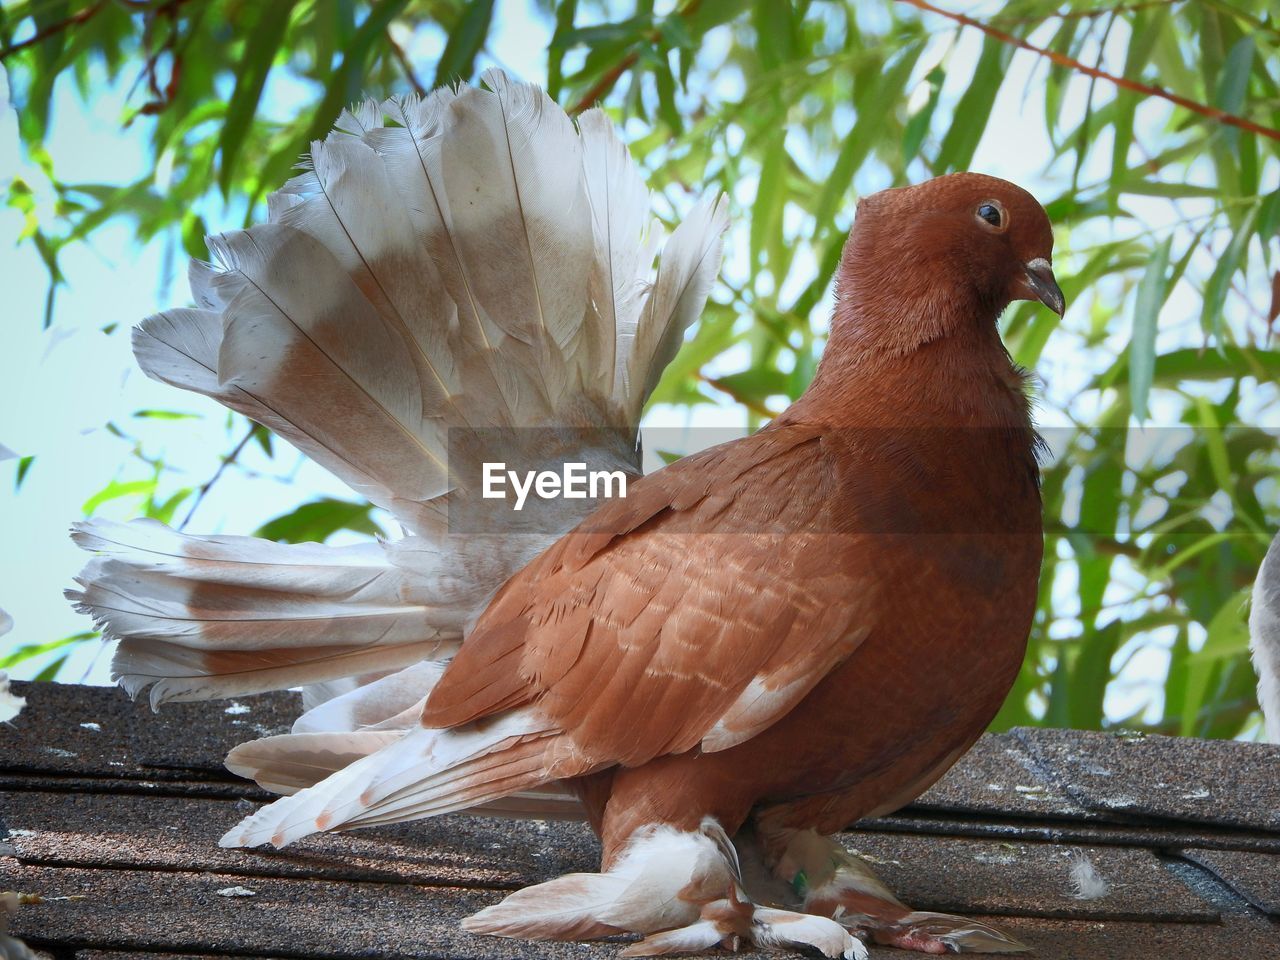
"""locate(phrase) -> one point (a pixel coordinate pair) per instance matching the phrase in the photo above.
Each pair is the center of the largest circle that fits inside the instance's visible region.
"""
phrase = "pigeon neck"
(960, 377)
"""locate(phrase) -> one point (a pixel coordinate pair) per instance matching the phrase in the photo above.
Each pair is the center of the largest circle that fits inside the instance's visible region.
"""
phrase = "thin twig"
(753, 405)
(604, 84)
(1203, 109)
(1082, 145)
(405, 66)
(607, 79)
(1086, 14)
(226, 462)
(51, 29)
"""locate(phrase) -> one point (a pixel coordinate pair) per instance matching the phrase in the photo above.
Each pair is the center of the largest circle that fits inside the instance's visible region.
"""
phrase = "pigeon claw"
(939, 933)
(734, 921)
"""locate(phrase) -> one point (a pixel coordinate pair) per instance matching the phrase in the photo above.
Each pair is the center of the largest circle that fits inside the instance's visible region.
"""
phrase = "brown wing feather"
(708, 602)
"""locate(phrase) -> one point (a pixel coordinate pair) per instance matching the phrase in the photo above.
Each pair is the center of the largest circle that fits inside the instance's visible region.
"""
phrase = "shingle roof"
(120, 811)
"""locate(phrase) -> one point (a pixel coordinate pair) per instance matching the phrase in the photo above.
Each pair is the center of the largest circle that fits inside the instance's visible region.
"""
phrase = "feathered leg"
(682, 889)
(834, 883)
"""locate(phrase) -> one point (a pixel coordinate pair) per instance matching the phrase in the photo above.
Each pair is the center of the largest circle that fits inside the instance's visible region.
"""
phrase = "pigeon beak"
(1039, 284)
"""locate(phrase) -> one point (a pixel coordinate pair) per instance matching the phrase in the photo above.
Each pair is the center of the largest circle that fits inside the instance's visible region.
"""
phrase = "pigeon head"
(934, 259)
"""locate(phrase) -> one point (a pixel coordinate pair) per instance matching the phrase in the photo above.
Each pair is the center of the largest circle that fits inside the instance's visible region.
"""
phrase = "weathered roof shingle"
(112, 816)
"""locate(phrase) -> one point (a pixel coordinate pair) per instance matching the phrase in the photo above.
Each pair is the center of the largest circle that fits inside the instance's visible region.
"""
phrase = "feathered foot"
(733, 920)
(682, 890)
(834, 883)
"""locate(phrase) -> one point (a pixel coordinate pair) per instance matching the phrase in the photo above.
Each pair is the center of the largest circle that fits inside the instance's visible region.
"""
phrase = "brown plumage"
(774, 637)
(873, 554)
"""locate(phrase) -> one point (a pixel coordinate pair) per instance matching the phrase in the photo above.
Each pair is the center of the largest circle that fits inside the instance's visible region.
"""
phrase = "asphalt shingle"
(120, 811)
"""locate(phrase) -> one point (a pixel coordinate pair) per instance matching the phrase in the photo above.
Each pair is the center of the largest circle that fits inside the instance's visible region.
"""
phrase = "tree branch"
(405, 66)
(226, 462)
(53, 28)
(753, 405)
(1087, 14)
(1203, 109)
(604, 84)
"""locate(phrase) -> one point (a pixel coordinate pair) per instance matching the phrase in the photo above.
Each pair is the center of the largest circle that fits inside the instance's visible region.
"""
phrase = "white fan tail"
(478, 262)
(462, 262)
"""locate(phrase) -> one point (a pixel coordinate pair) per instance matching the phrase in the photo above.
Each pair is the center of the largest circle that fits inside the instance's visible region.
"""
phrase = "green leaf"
(319, 520)
(1181, 366)
(165, 510)
(1152, 291)
(260, 52)
(756, 384)
(115, 490)
(50, 672)
(1142, 39)
(775, 24)
(32, 650)
(1214, 446)
(1089, 676)
(766, 213)
(621, 32)
(1227, 636)
(262, 436)
(193, 233)
(918, 125)
(1215, 292)
(466, 40)
(165, 415)
(666, 84)
(974, 108)
(24, 466)
(566, 10)
(859, 141)
(1233, 84)
(1175, 191)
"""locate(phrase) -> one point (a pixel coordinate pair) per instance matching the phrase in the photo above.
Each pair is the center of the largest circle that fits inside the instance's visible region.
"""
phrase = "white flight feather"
(619, 204)
(302, 331)
(294, 761)
(1264, 638)
(373, 705)
(348, 202)
(688, 266)
(421, 770)
(180, 347)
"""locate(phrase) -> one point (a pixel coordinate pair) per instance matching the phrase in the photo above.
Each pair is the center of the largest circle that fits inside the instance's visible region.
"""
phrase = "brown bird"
(761, 643)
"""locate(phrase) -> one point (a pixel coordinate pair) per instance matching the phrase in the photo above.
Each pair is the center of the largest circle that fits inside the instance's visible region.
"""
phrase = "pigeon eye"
(992, 214)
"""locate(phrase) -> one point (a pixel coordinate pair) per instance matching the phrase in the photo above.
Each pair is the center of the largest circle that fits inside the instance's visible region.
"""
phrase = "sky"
(62, 385)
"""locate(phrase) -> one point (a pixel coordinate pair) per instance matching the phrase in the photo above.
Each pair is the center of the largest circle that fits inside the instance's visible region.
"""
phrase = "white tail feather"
(227, 616)
(292, 762)
(690, 262)
(421, 773)
(295, 761)
(393, 702)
